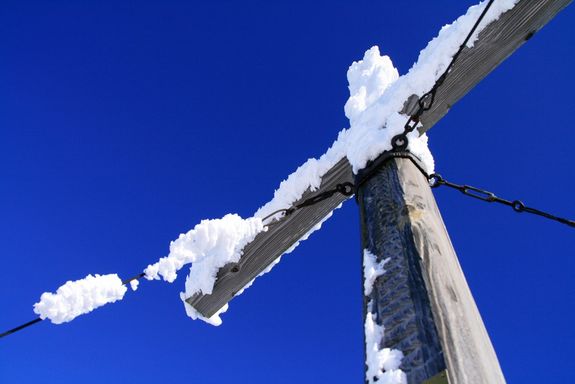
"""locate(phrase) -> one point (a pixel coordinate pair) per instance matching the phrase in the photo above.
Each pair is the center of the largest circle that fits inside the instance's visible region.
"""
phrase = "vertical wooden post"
(422, 300)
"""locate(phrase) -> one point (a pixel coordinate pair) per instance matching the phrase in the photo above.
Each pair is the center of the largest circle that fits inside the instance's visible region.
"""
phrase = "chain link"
(346, 189)
(424, 103)
(436, 180)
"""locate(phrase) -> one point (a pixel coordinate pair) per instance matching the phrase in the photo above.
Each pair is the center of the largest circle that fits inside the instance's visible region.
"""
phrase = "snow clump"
(134, 284)
(78, 297)
(377, 95)
(208, 247)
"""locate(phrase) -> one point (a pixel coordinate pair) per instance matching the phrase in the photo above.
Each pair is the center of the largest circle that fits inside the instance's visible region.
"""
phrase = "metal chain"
(346, 189)
(400, 142)
(518, 206)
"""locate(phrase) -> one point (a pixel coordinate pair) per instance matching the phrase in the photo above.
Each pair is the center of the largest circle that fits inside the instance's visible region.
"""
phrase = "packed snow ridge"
(377, 94)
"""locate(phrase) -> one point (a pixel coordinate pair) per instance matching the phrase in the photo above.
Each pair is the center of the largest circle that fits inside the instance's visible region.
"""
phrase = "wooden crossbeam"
(495, 43)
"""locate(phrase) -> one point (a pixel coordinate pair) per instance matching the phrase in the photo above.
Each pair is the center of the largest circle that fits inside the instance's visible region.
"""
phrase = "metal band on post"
(373, 166)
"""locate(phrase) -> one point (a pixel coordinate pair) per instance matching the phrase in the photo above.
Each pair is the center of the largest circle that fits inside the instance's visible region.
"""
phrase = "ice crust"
(377, 94)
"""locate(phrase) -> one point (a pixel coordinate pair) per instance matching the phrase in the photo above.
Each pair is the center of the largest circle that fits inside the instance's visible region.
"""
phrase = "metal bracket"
(363, 175)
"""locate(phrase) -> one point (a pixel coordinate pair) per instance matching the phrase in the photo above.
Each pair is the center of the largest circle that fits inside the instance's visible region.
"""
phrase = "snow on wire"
(79, 297)
(377, 93)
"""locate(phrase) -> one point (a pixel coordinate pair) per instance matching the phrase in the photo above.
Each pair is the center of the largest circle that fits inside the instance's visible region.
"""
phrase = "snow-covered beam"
(495, 43)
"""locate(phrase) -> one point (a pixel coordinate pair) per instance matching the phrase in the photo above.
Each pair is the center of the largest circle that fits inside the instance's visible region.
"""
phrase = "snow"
(307, 176)
(377, 93)
(382, 363)
(210, 245)
(316, 227)
(78, 297)
(372, 269)
(215, 320)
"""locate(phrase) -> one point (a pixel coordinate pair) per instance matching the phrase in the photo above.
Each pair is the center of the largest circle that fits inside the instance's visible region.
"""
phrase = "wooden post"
(422, 299)
(495, 43)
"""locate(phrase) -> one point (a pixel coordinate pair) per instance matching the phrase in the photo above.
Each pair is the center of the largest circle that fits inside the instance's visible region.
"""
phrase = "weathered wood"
(399, 298)
(495, 43)
(269, 245)
(401, 221)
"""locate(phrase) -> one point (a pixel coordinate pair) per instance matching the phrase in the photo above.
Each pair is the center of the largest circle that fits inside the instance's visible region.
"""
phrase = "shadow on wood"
(422, 300)
(496, 42)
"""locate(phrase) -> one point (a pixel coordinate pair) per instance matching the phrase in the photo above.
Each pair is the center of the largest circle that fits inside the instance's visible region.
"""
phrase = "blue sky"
(123, 124)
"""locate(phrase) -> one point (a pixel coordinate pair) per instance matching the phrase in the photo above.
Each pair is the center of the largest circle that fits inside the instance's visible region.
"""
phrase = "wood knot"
(415, 213)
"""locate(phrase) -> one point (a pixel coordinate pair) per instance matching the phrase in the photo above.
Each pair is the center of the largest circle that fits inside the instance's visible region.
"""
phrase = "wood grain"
(467, 349)
(399, 300)
(496, 42)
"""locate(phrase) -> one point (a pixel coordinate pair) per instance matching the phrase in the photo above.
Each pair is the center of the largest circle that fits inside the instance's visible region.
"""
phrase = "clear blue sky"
(123, 124)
